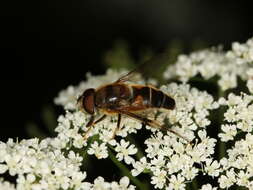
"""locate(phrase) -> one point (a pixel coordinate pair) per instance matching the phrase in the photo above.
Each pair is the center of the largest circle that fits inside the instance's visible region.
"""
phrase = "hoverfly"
(125, 99)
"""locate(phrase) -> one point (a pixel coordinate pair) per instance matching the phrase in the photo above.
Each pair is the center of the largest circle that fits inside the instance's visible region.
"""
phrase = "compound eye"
(88, 100)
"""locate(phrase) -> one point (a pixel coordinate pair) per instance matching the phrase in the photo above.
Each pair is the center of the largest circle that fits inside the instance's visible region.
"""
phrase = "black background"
(47, 45)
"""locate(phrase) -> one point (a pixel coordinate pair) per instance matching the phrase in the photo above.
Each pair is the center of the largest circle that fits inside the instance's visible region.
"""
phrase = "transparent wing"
(152, 68)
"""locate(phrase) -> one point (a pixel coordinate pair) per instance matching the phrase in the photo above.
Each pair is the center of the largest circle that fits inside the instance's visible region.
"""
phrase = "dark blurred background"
(47, 45)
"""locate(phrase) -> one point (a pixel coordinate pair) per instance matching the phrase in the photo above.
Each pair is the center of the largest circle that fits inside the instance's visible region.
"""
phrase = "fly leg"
(91, 123)
(118, 126)
(151, 123)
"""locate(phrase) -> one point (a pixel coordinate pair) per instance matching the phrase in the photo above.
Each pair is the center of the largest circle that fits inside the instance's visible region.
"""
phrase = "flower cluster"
(6, 185)
(238, 116)
(40, 165)
(214, 62)
(238, 166)
(241, 53)
(101, 184)
(170, 157)
(208, 187)
(71, 131)
(192, 110)
(250, 79)
(238, 119)
(172, 162)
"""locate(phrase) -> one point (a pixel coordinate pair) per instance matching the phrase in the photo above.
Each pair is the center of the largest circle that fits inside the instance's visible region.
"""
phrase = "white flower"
(153, 146)
(250, 80)
(234, 100)
(227, 81)
(189, 101)
(70, 130)
(157, 163)
(175, 164)
(242, 53)
(201, 151)
(139, 166)
(30, 159)
(159, 178)
(3, 168)
(212, 167)
(187, 69)
(123, 184)
(243, 178)
(5, 185)
(100, 151)
(211, 62)
(124, 150)
(78, 179)
(240, 160)
(239, 110)
(208, 187)
(230, 114)
(128, 126)
(176, 182)
(229, 132)
(67, 98)
(227, 180)
(190, 172)
(250, 72)
(250, 85)
(100, 184)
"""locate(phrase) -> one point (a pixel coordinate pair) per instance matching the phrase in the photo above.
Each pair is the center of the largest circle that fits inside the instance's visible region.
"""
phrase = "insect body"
(131, 98)
(125, 99)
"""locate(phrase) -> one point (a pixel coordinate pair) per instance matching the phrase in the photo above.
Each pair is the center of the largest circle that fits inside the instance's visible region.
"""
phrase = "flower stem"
(125, 171)
(194, 184)
(222, 150)
(221, 145)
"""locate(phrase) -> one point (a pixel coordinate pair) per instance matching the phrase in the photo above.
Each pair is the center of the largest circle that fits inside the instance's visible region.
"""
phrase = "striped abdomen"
(150, 97)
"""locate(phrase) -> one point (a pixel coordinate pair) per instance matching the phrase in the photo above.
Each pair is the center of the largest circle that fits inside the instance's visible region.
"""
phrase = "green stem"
(222, 150)
(194, 184)
(222, 145)
(125, 171)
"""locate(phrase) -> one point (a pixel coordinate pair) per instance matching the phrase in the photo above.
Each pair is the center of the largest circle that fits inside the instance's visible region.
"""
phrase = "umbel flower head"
(218, 122)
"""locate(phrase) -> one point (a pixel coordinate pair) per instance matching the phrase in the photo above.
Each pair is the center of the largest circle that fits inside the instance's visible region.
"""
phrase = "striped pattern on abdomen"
(151, 97)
